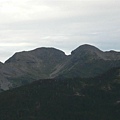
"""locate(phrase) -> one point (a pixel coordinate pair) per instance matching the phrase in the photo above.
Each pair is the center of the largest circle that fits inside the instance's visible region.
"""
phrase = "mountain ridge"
(44, 63)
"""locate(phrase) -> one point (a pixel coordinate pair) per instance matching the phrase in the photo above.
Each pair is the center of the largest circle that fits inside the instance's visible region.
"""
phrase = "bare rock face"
(42, 63)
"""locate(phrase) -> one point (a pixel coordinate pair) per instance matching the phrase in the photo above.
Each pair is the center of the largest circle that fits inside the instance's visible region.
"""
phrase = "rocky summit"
(46, 63)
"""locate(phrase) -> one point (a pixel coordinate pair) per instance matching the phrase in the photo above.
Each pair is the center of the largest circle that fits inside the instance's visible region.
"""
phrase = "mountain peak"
(38, 53)
(86, 48)
(47, 51)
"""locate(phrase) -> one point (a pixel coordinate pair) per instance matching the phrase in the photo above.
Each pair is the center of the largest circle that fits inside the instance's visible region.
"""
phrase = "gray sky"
(63, 24)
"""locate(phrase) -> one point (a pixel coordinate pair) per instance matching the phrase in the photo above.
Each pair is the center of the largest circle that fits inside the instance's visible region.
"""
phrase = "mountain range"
(48, 63)
(47, 84)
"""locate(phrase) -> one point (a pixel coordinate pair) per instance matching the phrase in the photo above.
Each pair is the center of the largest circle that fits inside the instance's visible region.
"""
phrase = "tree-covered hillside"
(64, 99)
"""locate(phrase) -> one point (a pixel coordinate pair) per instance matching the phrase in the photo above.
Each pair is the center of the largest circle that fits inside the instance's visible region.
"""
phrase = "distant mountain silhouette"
(45, 63)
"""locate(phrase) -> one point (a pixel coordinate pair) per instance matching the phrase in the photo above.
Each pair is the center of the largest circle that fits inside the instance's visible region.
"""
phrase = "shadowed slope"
(67, 99)
(43, 63)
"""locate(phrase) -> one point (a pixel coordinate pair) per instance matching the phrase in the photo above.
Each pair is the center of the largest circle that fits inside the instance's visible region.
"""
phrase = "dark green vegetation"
(95, 98)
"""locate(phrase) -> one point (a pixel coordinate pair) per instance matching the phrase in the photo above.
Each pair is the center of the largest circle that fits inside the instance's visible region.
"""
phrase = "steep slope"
(67, 99)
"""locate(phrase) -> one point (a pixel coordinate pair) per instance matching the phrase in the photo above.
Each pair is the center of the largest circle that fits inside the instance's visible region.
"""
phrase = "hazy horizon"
(65, 25)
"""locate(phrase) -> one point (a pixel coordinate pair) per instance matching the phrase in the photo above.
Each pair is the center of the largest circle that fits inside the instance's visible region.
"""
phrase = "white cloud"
(14, 44)
(65, 24)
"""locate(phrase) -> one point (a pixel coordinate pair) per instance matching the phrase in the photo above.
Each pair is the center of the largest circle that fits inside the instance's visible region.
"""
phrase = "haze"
(64, 24)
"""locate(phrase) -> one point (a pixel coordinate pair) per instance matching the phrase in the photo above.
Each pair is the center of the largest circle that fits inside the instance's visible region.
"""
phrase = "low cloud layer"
(66, 24)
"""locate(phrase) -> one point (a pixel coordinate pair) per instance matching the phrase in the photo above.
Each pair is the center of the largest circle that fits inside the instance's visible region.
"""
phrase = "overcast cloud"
(63, 24)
